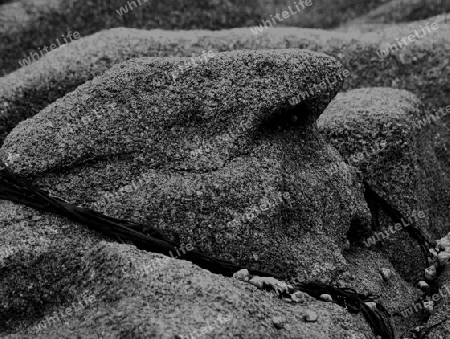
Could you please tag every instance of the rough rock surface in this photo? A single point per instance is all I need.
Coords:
(62, 70)
(214, 160)
(116, 291)
(175, 149)
(377, 130)
(33, 261)
(29, 25)
(442, 301)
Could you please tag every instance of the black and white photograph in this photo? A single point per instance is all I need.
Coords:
(218, 169)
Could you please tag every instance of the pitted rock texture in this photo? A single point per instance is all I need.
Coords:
(115, 291)
(62, 70)
(364, 275)
(130, 182)
(384, 133)
(215, 106)
(29, 25)
(219, 157)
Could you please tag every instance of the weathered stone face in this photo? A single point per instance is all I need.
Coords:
(61, 71)
(388, 137)
(216, 105)
(218, 157)
(114, 290)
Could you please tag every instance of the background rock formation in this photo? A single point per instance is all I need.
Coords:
(377, 130)
(62, 70)
(29, 25)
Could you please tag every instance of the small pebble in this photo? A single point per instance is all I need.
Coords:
(423, 286)
(347, 245)
(433, 252)
(257, 281)
(326, 297)
(444, 241)
(310, 316)
(341, 284)
(430, 273)
(290, 288)
(386, 273)
(280, 288)
(242, 275)
(443, 258)
(279, 322)
(417, 329)
(428, 306)
(433, 261)
(428, 302)
(275, 284)
(371, 304)
(299, 297)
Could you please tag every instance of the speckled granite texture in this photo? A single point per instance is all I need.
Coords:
(382, 132)
(28, 25)
(208, 172)
(116, 291)
(62, 70)
(191, 158)
(220, 160)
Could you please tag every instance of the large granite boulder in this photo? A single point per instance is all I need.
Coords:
(62, 70)
(219, 157)
(250, 180)
(128, 183)
(385, 134)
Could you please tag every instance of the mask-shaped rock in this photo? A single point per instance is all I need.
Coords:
(217, 157)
